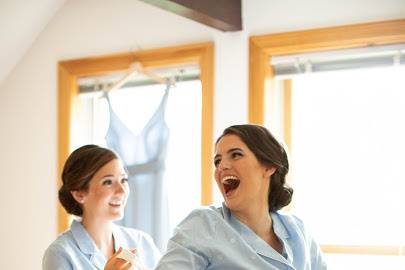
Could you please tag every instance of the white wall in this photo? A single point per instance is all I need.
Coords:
(89, 27)
(17, 34)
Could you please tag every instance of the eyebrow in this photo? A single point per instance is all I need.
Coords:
(111, 175)
(229, 151)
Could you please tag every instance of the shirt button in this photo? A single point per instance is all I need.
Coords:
(232, 240)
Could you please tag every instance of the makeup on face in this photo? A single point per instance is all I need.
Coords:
(239, 175)
(108, 192)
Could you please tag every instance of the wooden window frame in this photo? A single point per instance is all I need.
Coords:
(262, 48)
(69, 71)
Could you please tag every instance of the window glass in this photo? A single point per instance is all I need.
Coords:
(348, 155)
(135, 107)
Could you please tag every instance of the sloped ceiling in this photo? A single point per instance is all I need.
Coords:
(21, 22)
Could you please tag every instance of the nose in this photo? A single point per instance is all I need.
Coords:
(224, 165)
(120, 188)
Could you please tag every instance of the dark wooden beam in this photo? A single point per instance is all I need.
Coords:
(225, 15)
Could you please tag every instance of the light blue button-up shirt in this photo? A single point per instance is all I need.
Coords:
(212, 238)
(75, 249)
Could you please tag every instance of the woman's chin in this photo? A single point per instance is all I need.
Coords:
(231, 203)
(117, 216)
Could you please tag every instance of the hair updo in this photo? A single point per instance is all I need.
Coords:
(79, 169)
(271, 154)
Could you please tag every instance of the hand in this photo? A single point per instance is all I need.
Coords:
(115, 263)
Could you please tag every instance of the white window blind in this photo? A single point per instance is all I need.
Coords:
(373, 56)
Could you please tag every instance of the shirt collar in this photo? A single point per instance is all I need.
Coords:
(278, 227)
(254, 241)
(87, 245)
(282, 233)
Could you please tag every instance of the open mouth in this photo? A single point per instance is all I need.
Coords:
(230, 184)
(114, 204)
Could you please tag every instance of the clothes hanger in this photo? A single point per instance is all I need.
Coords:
(135, 68)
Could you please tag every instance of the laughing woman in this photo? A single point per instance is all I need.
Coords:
(247, 232)
(95, 189)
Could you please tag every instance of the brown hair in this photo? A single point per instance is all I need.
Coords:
(78, 170)
(270, 153)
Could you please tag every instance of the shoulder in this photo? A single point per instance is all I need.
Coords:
(194, 239)
(206, 213)
(295, 227)
(200, 225)
(58, 253)
(290, 221)
(62, 244)
(202, 217)
(292, 225)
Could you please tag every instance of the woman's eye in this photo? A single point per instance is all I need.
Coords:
(107, 182)
(216, 162)
(124, 180)
(236, 155)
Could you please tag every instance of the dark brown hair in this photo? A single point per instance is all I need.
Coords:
(78, 170)
(270, 153)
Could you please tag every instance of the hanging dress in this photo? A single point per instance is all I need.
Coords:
(144, 157)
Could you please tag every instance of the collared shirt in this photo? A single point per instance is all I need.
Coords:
(212, 238)
(75, 249)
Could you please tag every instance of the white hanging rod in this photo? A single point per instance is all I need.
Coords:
(135, 68)
(338, 54)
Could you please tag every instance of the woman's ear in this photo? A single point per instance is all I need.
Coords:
(79, 196)
(269, 172)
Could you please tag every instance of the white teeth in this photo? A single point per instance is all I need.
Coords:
(116, 203)
(229, 177)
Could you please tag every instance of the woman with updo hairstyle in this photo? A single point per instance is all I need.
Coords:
(248, 231)
(95, 190)
(269, 153)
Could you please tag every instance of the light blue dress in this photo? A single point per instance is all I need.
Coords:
(144, 157)
(212, 238)
(75, 249)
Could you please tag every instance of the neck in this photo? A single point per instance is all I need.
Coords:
(101, 233)
(257, 219)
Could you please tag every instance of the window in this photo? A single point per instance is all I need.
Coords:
(69, 72)
(135, 106)
(346, 154)
(283, 111)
